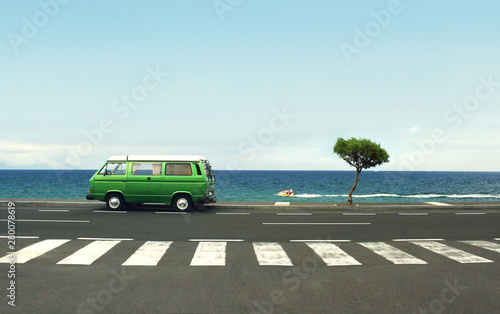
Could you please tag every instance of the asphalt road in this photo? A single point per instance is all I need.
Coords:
(85, 259)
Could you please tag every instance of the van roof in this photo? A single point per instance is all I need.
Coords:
(156, 158)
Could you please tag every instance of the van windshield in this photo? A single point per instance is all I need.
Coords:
(114, 168)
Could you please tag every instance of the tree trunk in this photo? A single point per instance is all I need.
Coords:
(349, 199)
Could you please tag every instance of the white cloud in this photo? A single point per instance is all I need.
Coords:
(18, 154)
(415, 128)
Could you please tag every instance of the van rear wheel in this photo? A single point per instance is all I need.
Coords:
(182, 203)
(115, 201)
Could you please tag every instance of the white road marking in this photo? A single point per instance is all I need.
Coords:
(320, 241)
(149, 254)
(210, 254)
(485, 245)
(20, 237)
(451, 252)
(294, 214)
(282, 204)
(332, 255)
(438, 204)
(413, 214)
(391, 253)
(88, 254)
(55, 202)
(111, 211)
(106, 239)
(39, 220)
(51, 202)
(411, 240)
(271, 254)
(32, 251)
(235, 213)
(316, 223)
(358, 214)
(470, 213)
(54, 210)
(216, 240)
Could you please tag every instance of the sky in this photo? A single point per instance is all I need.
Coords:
(251, 85)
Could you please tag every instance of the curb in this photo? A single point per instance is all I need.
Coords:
(355, 207)
(53, 203)
(258, 206)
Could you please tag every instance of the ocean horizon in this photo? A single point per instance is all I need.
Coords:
(263, 185)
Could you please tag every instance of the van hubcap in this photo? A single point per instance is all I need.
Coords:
(114, 202)
(182, 203)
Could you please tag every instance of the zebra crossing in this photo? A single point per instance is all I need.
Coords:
(332, 255)
(88, 254)
(271, 254)
(392, 254)
(213, 253)
(149, 254)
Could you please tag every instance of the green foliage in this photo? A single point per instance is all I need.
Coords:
(361, 153)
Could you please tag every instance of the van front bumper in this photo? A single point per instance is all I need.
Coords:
(90, 197)
(209, 199)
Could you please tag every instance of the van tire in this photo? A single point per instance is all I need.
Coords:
(182, 203)
(115, 201)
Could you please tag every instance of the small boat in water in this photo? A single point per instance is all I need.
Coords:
(286, 193)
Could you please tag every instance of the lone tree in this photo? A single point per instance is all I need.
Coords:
(361, 154)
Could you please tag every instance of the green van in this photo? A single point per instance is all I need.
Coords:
(180, 181)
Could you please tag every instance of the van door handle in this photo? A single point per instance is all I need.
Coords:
(149, 178)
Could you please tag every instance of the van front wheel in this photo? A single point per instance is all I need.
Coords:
(115, 201)
(182, 203)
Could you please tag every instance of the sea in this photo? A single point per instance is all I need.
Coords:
(263, 186)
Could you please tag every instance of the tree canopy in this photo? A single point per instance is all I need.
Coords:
(361, 153)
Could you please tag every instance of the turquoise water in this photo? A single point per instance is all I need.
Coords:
(262, 186)
(333, 186)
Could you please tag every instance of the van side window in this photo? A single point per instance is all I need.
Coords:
(146, 169)
(177, 169)
(114, 168)
(198, 170)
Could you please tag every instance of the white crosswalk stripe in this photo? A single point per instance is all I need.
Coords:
(451, 252)
(88, 254)
(149, 254)
(210, 254)
(271, 254)
(332, 255)
(32, 251)
(391, 253)
(485, 245)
